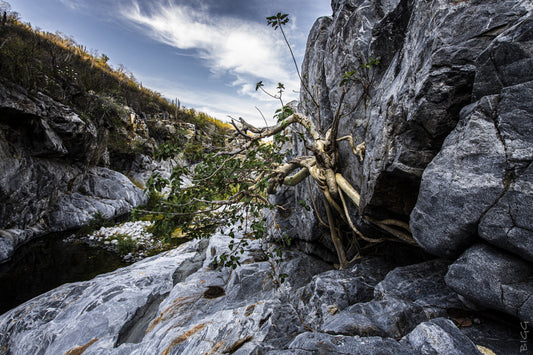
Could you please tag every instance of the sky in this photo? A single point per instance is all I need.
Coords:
(209, 54)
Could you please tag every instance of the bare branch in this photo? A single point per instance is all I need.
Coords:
(270, 131)
(261, 113)
(359, 150)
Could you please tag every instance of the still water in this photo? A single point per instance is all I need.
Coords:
(48, 262)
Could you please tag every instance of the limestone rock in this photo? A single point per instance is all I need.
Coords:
(422, 283)
(175, 303)
(391, 317)
(441, 63)
(331, 292)
(461, 183)
(47, 178)
(440, 336)
(338, 344)
(480, 182)
(104, 308)
(494, 279)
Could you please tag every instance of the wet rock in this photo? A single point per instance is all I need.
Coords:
(103, 308)
(494, 279)
(101, 191)
(175, 303)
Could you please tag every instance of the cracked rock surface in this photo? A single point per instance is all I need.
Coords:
(447, 122)
(174, 303)
(476, 195)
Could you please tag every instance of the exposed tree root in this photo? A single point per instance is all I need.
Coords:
(322, 168)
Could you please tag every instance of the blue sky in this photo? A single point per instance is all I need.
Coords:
(207, 53)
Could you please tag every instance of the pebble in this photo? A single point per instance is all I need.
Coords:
(108, 237)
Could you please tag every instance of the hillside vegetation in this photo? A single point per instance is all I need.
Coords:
(57, 66)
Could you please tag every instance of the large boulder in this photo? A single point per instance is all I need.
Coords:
(461, 183)
(480, 183)
(495, 279)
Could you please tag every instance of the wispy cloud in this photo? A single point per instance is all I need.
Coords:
(245, 50)
(217, 104)
(73, 4)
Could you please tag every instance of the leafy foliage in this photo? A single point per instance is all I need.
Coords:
(278, 20)
(229, 188)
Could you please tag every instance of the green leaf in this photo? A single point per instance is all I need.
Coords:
(304, 205)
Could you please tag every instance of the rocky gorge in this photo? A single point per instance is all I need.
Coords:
(59, 169)
(447, 128)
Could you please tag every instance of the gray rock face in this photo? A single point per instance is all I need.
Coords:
(337, 344)
(428, 54)
(437, 58)
(174, 303)
(423, 283)
(47, 182)
(495, 279)
(508, 224)
(440, 336)
(102, 191)
(480, 183)
(447, 122)
(461, 183)
(407, 296)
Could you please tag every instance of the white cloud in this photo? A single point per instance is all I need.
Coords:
(248, 51)
(218, 104)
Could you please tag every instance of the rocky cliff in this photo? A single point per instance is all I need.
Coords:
(447, 122)
(49, 179)
(58, 167)
(72, 128)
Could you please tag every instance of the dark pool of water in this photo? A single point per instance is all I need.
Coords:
(48, 262)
